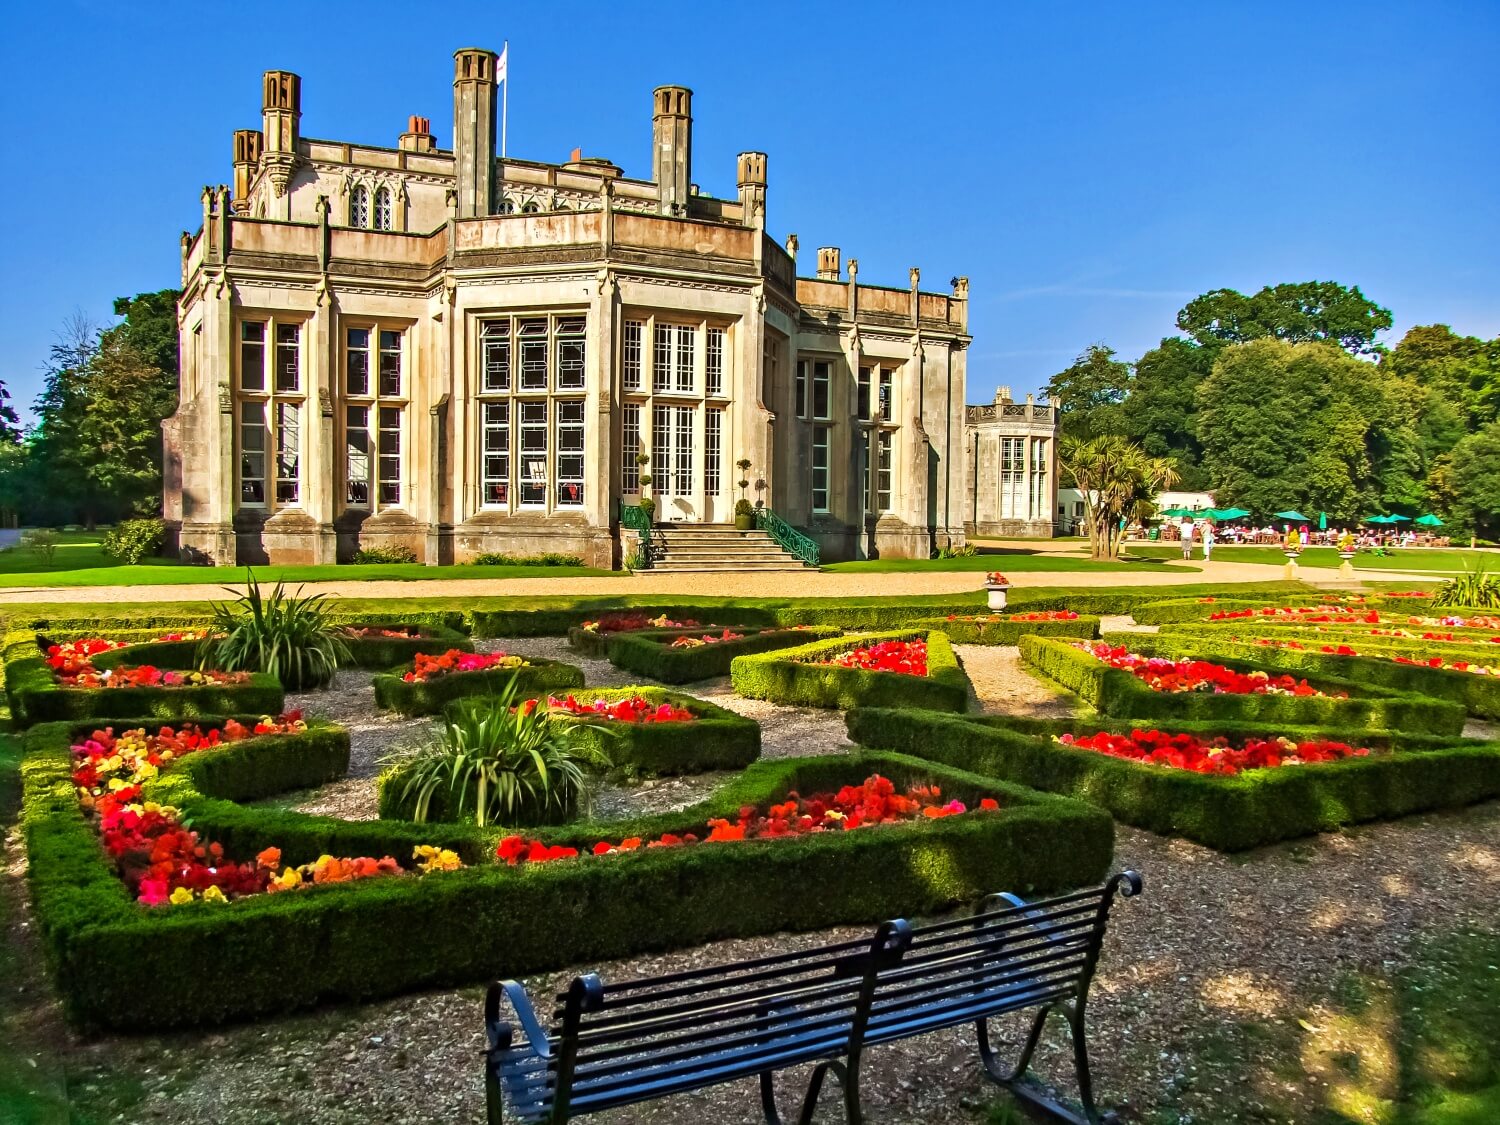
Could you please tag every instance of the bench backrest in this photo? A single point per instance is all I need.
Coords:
(640, 1039)
(1008, 955)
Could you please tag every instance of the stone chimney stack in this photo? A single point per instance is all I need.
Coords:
(474, 131)
(247, 146)
(418, 136)
(281, 112)
(752, 184)
(672, 147)
(1002, 397)
(829, 263)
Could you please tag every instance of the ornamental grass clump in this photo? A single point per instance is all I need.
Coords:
(285, 636)
(1477, 588)
(498, 763)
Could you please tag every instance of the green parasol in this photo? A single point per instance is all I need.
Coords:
(1292, 514)
(1397, 519)
(1429, 520)
(1230, 513)
(1377, 519)
(1178, 513)
(1322, 521)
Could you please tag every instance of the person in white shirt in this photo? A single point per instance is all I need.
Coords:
(1208, 541)
(1186, 531)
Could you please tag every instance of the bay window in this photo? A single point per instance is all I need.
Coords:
(268, 418)
(374, 415)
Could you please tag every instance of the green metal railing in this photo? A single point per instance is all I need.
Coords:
(637, 519)
(788, 537)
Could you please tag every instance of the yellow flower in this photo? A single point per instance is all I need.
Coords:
(432, 858)
(213, 894)
(180, 896)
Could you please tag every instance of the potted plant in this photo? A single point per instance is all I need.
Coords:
(743, 465)
(744, 515)
(996, 584)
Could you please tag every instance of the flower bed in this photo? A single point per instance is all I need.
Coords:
(433, 681)
(1008, 628)
(874, 802)
(1186, 751)
(48, 681)
(1188, 674)
(381, 646)
(592, 637)
(333, 943)
(826, 673)
(1231, 811)
(1330, 701)
(1472, 684)
(661, 656)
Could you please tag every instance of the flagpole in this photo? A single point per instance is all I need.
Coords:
(504, 96)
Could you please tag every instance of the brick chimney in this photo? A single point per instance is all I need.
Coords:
(418, 136)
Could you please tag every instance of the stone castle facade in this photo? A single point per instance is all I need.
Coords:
(1011, 450)
(457, 353)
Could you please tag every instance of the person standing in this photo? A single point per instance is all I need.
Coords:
(1186, 533)
(1208, 541)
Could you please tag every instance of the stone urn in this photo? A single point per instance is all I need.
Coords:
(1290, 570)
(995, 586)
(1346, 563)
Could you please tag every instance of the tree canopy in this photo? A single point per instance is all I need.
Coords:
(1088, 393)
(1298, 312)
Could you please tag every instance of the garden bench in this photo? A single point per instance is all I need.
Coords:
(622, 1044)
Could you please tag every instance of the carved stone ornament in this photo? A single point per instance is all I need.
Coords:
(325, 402)
(226, 399)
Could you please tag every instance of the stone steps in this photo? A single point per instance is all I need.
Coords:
(717, 548)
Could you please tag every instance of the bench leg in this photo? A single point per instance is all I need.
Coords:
(1015, 1081)
(847, 1079)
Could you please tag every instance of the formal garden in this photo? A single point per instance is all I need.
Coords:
(304, 834)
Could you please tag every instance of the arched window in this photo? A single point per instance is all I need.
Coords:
(383, 209)
(530, 209)
(359, 207)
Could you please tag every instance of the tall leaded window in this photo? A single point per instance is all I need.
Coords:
(630, 447)
(374, 416)
(661, 441)
(884, 463)
(682, 450)
(713, 451)
(496, 482)
(570, 453)
(359, 206)
(1038, 478)
(1012, 478)
(687, 345)
(714, 361)
(288, 453)
(269, 413)
(533, 372)
(802, 388)
(820, 469)
(383, 208)
(661, 368)
(631, 356)
(533, 453)
(821, 380)
(862, 395)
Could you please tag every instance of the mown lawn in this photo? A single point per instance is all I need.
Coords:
(1007, 560)
(80, 561)
(1418, 560)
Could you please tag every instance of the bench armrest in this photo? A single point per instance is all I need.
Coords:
(1047, 931)
(499, 1035)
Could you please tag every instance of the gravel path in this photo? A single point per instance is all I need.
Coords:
(1215, 941)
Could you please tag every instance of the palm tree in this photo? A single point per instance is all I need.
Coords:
(1114, 474)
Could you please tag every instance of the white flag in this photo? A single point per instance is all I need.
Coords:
(500, 63)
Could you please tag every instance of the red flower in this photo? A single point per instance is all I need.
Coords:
(908, 658)
(1215, 756)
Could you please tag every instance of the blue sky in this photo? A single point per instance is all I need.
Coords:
(1090, 166)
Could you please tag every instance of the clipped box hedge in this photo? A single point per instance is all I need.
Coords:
(381, 653)
(270, 954)
(1478, 694)
(1176, 610)
(1116, 692)
(536, 676)
(1247, 810)
(999, 629)
(653, 656)
(794, 676)
(35, 696)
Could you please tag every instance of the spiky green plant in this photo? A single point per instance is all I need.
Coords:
(287, 636)
(1476, 588)
(499, 761)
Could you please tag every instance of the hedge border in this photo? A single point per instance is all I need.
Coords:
(333, 943)
(1116, 692)
(392, 693)
(35, 696)
(1248, 810)
(789, 676)
(653, 656)
(1478, 694)
(1006, 632)
(377, 654)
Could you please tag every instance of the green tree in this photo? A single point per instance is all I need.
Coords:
(1089, 393)
(1161, 412)
(1474, 472)
(1114, 475)
(1463, 372)
(56, 482)
(1300, 425)
(1298, 312)
(128, 396)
